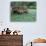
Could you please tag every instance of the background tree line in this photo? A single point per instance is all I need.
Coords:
(30, 5)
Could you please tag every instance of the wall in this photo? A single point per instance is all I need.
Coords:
(30, 30)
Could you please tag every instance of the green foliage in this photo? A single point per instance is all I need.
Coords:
(31, 5)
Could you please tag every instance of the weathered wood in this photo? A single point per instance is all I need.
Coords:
(11, 40)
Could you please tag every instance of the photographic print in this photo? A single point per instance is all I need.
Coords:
(22, 11)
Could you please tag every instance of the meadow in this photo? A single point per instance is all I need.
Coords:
(25, 17)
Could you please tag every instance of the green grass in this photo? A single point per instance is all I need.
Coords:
(27, 17)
